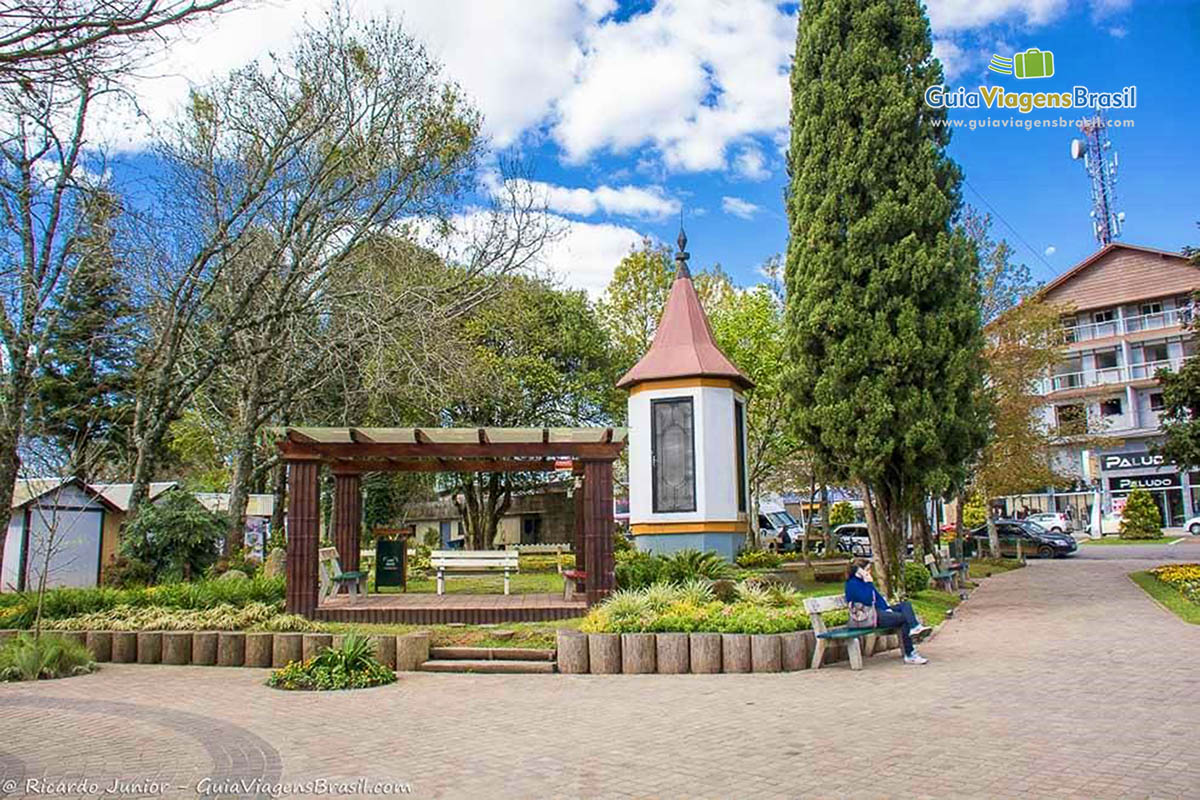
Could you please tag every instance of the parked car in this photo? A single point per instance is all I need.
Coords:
(1192, 526)
(852, 538)
(1034, 539)
(1055, 523)
(777, 528)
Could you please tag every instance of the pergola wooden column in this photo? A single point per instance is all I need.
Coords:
(587, 452)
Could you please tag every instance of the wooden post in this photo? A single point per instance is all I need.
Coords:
(578, 544)
(303, 524)
(347, 519)
(598, 530)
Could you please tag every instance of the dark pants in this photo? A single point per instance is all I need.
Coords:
(903, 617)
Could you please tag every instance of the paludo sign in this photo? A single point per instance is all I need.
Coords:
(1131, 460)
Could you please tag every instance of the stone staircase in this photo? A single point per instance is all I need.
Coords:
(499, 660)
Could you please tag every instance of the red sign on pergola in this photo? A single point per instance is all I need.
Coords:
(350, 452)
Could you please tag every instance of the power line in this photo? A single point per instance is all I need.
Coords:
(1019, 237)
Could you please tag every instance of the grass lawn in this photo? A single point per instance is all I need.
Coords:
(521, 583)
(931, 605)
(1168, 596)
(1111, 540)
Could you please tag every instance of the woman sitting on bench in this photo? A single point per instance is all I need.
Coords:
(868, 609)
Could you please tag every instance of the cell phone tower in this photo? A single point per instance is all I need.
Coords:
(1100, 162)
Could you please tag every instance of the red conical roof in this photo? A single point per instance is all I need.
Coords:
(683, 346)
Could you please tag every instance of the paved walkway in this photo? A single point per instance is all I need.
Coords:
(1060, 680)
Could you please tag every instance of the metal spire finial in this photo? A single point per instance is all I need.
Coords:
(681, 257)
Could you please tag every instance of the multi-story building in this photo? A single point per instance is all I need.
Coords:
(1130, 313)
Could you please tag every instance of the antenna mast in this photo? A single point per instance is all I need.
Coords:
(1100, 163)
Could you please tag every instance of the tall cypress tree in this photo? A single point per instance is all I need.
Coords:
(883, 305)
(83, 401)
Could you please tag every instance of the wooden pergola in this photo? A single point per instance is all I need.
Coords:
(350, 452)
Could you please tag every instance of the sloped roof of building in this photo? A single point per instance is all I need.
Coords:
(1122, 273)
(683, 346)
(26, 490)
(118, 493)
(257, 505)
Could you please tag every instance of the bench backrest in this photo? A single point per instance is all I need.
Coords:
(816, 606)
(474, 559)
(540, 549)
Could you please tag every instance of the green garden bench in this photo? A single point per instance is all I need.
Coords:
(332, 576)
(859, 641)
(944, 579)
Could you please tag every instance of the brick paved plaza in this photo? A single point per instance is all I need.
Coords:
(1060, 680)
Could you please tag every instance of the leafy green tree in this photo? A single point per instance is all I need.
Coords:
(634, 298)
(1140, 519)
(538, 357)
(83, 401)
(883, 314)
(842, 513)
(176, 537)
(974, 512)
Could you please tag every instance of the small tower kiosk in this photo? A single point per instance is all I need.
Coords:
(688, 486)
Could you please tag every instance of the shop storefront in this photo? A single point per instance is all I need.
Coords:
(1165, 488)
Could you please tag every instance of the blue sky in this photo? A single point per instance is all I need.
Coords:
(628, 112)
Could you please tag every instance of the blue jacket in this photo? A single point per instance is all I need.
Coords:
(859, 591)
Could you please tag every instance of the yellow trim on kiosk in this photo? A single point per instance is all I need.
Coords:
(683, 383)
(726, 526)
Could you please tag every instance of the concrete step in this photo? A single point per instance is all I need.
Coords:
(490, 654)
(487, 666)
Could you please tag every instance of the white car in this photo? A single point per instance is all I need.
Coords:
(1192, 526)
(1055, 523)
(1110, 525)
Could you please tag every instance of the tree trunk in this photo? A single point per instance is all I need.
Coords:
(826, 528)
(927, 539)
(11, 428)
(279, 493)
(243, 461)
(993, 535)
(884, 520)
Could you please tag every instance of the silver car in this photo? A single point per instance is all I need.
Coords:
(1055, 523)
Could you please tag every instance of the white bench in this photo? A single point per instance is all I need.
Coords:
(451, 563)
(815, 606)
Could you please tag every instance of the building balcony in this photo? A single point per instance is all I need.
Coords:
(1124, 326)
(1105, 377)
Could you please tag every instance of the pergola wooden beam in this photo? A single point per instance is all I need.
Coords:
(291, 449)
(445, 465)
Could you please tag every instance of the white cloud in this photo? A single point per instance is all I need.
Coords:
(955, 60)
(689, 79)
(750, 164)
(1117, 32)
(1049, 251)
(738, 207)
(513, 57)
(586, 254)
(631, 201)
(950, 15)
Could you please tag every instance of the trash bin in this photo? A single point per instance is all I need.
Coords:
(389, 562)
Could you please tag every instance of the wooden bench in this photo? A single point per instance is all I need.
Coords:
(943, 579)
(333, 577)
(452, 563)
(859, 641)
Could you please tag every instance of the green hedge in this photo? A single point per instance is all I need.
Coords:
(18, 609)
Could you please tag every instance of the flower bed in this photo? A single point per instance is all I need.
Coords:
(223, 617)
(350, 665)
(694, 608)
(1183, 578)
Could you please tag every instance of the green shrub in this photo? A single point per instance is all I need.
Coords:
(17, 609)
(637, 570)
(1140, 519)
(352, 665)
(26, 658)
(177, 536)
(546, 563)
(916, 578)
(223, 617)
(421, 558)
(685, 565)
(841, 513)
(127, 573)
(621, 541)
(759, 559)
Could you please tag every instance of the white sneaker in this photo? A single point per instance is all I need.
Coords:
(916, 658)
(918, 630)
